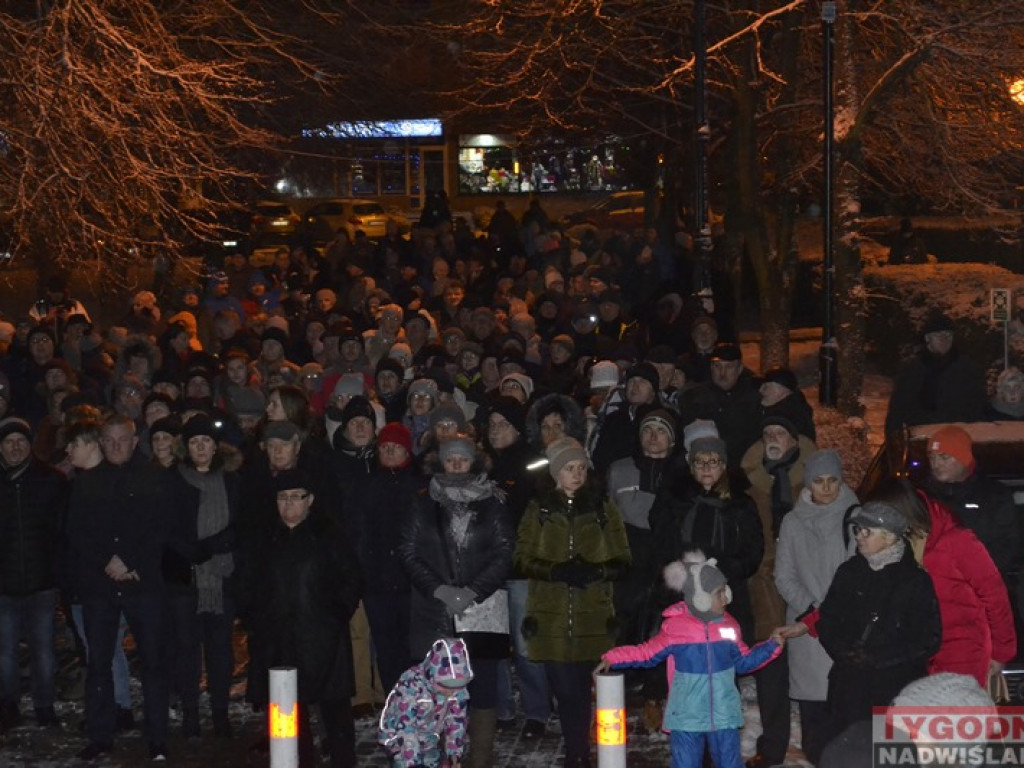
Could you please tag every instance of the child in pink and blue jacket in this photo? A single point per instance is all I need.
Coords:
(702, 646)
(424, 718)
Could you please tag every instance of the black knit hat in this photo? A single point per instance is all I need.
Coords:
(275, 334)
(783, 376)
(290, 479)
(356, 407)
(511, 410)
(169, 424)
(645, 371)
(200, 424)
(390, 364)
(781, 421)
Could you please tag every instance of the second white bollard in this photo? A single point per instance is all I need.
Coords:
(284, 717)
(611, 720)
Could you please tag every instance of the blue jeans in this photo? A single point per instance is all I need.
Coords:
(145, 615)
(35, 615)
(119, 667)
(533, 680)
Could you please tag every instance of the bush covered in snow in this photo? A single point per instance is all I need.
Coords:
(900, 299)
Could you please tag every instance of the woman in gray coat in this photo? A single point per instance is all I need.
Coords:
(811, 547)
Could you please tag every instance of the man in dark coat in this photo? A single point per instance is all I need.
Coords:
(940, 386)
(117, 526)
(619, 435)
(511, 455)
(298, 595)
(983, 505)
(33, 496)
(730, 398)
(373, 512)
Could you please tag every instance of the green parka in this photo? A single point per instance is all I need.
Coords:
(565, 623)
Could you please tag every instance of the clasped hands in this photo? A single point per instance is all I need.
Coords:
(577, 573)
(456, 599)
(118, 571)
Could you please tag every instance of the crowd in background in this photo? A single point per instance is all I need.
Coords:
(352, 453)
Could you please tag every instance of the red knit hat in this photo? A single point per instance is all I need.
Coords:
(955, 442)
(395, 432)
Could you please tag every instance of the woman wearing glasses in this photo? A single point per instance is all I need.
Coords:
(702, 511)
(880, 619)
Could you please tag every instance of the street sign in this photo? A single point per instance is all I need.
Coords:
(1000, 305)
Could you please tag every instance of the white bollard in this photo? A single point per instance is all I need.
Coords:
(611, 720)
(284, 717)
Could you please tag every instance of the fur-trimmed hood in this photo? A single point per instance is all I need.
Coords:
(575, 422)
(132, 343)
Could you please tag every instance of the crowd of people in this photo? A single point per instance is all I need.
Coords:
(368, 457)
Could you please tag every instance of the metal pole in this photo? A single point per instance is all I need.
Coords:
(284, 717)
(827, 356)
(701, 205)
(611, 720)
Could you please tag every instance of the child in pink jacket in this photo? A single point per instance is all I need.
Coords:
(705, 652)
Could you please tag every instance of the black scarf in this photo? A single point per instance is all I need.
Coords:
(782, 488)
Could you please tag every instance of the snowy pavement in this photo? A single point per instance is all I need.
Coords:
(32, 747)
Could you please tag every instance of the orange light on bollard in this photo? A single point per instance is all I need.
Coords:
(611, 727)
(284, 718)
(284, 725)
(611, 720)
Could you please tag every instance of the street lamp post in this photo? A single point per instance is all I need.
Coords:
(827, 362)
(702, 215)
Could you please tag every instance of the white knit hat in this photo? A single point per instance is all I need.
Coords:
(605, 373)
(946, 689)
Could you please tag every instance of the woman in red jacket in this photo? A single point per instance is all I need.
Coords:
(978, 635)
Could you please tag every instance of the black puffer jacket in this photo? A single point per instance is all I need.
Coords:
(298, 596)
(33, 500)
(986, 507)
(375, 510)
(684, 517)
(509, 471)
(880, 628)
(432, 558)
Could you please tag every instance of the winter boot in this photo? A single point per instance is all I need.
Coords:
(482, 725)
(125, 719)
(190, 722)
(221, 724)
(47, 718)
(10, 716)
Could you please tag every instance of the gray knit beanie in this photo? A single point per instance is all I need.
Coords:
(821, 464)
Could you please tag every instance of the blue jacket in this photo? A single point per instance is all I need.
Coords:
(703, 661)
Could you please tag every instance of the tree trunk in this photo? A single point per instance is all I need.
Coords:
(772, 267)
(850, 301)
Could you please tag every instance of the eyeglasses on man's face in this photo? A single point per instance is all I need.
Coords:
(292, 498)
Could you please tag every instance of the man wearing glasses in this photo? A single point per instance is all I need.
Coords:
(775, 468)
(298, 594)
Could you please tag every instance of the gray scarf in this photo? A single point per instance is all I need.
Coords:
(213, 517)
(887, 556)
(455, 493)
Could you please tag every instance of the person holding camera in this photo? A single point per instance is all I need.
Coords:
(56, 306)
